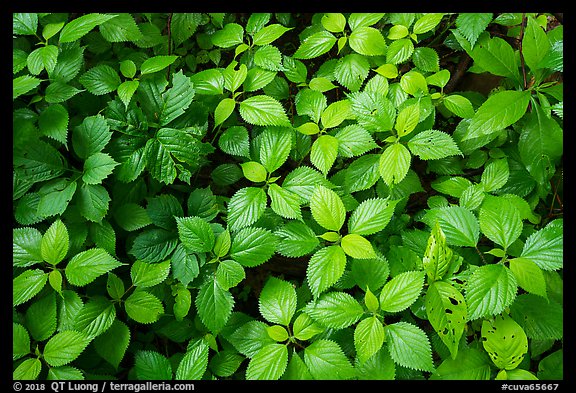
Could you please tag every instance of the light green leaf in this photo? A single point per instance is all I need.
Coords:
(24, 23)
(27, 285)
(310, 103)
(364, 19)
(399, 51)
(304, 327)
(194, 363)
(351, 71)
(409, 346)
(232, 34)
(357, 246)
(535, 44)
(79, 27)
(315, 45)
(263, 110)
(433, 145)
(229, 274)
(214, 305)
(472, 24)
(269, 363)
(326, 267)
(495, 175)
(296, 239)
(55, 243)
(64, 347)
(246, 207)
(437, 255)
(367, 41)
(540, 318)
(26, 247)
(222, 244)
(336, 310)
(23, 84)
(413, 82)
(327, 208)
(252, 246)
(324, 152)
(354, 140)
(156, 63)
(223, 111)
(176, 99)
(459, 105)
(336, 113)
(20, 341)
(368, 338)
(489, 290)
(505, 341)
(333, 22)
(208, 82)
(394, 164)
(235, 141)
(500, 220)
(268, 57)
(98, 167)
(143, 307)
(184, 265)
(326, 361)
(100, 80)
(277, 302)
(302, 181)
(447, 313)
(195, 233)
(371, 216)
(275, 146)
(249, 338)
(284, 203)
(401, 291)
(529, 276)
(426, 23)
(85, 267)
(126, 90)
(499, 111)
(95, 317)
(145, 275)
(426, 59)
(121, 29)
(407, 120)
(29, 369)
(269, 34)
(546, 247)
(459, 225)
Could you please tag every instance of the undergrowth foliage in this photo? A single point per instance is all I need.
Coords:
(287, 196)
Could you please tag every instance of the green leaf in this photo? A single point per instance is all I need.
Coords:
(535, 44)
(24, 23)
(232, 34)
(367, 41)
(98, 167)
(426, 23)
(79, 27)
(295, 239)
(246, 207)
(95, 317)
(371, 216)
(529, 276)
(505, 342)
(183, 26)
(413, 83)
(60, 92)
(499, 111)
(364, 19)
(325, 268)
(55, 243)
(44, 57)
(209, 82)
(437, 256)
(426, 59)
(540, 318)
(336, 113)
(546, 247)
(143, 307)
(433, 145)
(399, 51)
(194, 363)
(126, 90)
(394, 164)
(150, 365)
(401, 291)
(91, 136)
(353, 140)
(55, 198)
(269, 33)
(85, 267)
(472, 24)
(327, 208)
(195, 233)
(53, 122)
(233, 79)
(20, 341)
(368, 338)
(495, 175)
(249, 338)
(336, 310)
(40, 317)
(229, 274)
(145, 275)
(258, 78)
(447, 313)
(324, 152)
(27, 285)
(277, 302)
(362, 173)
(223, 111)
(302, 181)
(214, 305)
(182, 303)
(459, 225)
(26, 247)
(156, 63)
(310, 103)
(409, 346)
(115, 286)
(490, 289)
(263, 110)
(23, 84)
(333, 22)
(407, 120)
(284, 202)
(275, 146)
(184, 265)
(459, 105)
(131, 217)
(277, 332)
(326, 361)
(496, 56)
(121, 29)
(470, 364)
(315, 45)
(100, 80)
(269, 363)
(64, 347)
(222, 244)
(351, 71)
(357, 246)
(113, 343)
(176, 99)
(500, 220)
(235, 141)
(252, 246)
(268, 57)
(29, 369)
(305, 328)
(225, 363)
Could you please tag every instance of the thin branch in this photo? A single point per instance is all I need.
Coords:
(458, 74)
(522, 27)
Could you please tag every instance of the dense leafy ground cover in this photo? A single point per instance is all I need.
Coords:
(287, 196)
